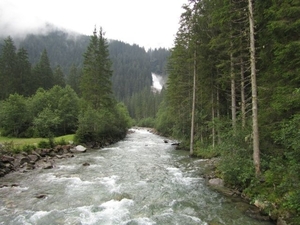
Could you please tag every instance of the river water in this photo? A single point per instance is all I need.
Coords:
(140, 180)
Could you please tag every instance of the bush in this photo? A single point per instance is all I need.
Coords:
(61, 141)
(102, 125)
(206, 152)
(146, 122)
(28, 148)
(44, 144)
(7, 146)
(236, 162)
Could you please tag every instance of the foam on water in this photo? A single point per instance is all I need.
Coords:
(110, 212)
(66, 167)
(175, 172)
(140, 221)
(110, 183)
(38, 215)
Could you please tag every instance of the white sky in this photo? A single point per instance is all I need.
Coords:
(148, 23)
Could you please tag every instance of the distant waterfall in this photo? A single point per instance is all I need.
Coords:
(157, 82)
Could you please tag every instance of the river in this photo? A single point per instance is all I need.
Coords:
(140, 180)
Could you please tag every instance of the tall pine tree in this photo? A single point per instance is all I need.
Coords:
(8, 65)
(95, 85)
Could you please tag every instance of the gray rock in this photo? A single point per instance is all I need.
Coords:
(33, 158)
(216, 182)
(6, 158)
(78, 148)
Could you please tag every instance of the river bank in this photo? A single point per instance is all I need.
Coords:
(38, 158)
(251, 207)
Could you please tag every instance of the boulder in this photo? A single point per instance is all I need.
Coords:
(66, 148)
(26, 167)
(6, 158)
(33, 158)
(59, 150)
(41, 196)
(216, 182)
(78, 148)
(48, 165)
(20, 159)
(176, 143)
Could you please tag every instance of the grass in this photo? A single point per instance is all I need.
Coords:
(19, 142)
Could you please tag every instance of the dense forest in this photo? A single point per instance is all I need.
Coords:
(233, 91)
(58, 56)
(37, 102)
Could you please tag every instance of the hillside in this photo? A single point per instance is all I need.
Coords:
(132, 65)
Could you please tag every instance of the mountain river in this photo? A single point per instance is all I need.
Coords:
(140, 180)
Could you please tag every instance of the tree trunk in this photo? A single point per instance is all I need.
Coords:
(233, 95)
(218, 115)
(213, 119)
(256, 151)
(193, 108)
(243, 100)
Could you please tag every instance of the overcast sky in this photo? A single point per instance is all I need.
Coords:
(148, 23)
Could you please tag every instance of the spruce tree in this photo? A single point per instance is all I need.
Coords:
(23, 84)
(43, 74)
(95, 83)
(8, 65)
(59, 78)
(73, 78)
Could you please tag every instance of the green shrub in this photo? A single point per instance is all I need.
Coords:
(236, 162)
(102, 125)
(17, 150)
(44, 144)
(146, 122)
(206, 152)
(28, 148)
(8, 146)
(61, 141)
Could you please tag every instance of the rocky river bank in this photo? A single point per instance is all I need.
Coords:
(38, 158)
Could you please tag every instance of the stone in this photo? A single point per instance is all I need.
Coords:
(24, 160)
(259, 204)
(6, 158)
(48, 165)
(216, 182)
(33, 158)
(78, 148)
(41, 196)
(86, 164)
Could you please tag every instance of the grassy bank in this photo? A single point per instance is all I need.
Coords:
(20, 142)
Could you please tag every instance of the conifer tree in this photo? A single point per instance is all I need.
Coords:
(8, 65)
(23, 73)
(43, 74)
(95, 84)
(73, 78)
(58, 76)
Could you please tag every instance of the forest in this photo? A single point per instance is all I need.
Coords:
(233, 91)
(57, 58)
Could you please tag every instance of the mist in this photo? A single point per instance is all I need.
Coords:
(131, 21)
